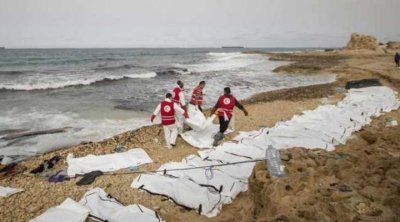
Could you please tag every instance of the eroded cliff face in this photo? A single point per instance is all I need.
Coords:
(359, 181)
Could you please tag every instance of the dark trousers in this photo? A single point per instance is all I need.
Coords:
(223, 125)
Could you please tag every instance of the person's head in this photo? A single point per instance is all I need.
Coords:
(202, 84)
(168, 96)
(180, 83)
(227, 91)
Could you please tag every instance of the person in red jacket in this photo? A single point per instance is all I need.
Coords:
(224, 106)
(168, 110)
(178, 98)
(197, 95)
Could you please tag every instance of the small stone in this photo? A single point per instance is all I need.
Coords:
(339, 196)
(286, 157)
(344, 188)
(371, 193)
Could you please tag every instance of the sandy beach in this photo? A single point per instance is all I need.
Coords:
(359, 181)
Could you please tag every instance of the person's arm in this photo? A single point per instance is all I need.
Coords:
(196, 98)
(214, 109)
(156, 111)
(182, 99)
(241, 107)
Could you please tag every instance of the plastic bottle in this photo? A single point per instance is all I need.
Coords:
(274, 164)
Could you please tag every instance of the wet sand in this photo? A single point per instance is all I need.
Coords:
(359, 181)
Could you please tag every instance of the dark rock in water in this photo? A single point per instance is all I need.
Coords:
(113, 68)
(362, 83)
(136, 105)
(35, 133)
(11, 72)
(9, 131)
(170, 71)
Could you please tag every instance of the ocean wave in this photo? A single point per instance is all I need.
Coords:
(113, 68)
(73, 83)
(224, 54)
(172, 71)
(223, 61)
(12, 72)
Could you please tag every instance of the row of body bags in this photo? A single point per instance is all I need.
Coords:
(98, 205)
(208, 188)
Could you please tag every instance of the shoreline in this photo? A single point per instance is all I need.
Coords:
(265, 109)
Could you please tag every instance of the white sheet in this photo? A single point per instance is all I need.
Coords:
(325, 127)
(182, 191)
(328, 125)
(107, 208)
(197, 121)
(106, 163)
(8, 191)
(67, 211)
(203, 139)
(215, 178)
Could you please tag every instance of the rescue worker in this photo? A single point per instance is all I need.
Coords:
(224, 106)
(197, 96)
(178, 98)
(168, 110)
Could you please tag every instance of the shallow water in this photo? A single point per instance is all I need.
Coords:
(103, 92)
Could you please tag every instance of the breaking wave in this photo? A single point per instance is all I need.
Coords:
(61, 83)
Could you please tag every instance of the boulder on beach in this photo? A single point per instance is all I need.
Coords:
(393, 45)
(363, 42)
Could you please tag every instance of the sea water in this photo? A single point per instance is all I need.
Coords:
(98, 93)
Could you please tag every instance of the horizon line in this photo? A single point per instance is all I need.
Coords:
(241, 47)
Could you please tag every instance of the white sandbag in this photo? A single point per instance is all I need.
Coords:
(218, 180)
(68, 211)
(8, 191)
(182, 191)
(106, 163)
(107, 208)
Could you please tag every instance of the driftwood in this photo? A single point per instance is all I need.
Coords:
(34, 133)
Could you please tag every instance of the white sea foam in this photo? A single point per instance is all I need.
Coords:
(81, 129)
(224, 61)
(141, 75)
(37, 82)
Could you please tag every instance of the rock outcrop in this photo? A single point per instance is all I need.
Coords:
(393, 45)
(358, 41)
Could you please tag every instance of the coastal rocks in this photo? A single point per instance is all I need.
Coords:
(358, 41)
(393, 45)
(344, 185)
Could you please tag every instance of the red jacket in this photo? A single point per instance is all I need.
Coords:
(167, 113)
(175, 94)
(226, 105)
(197, 92)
